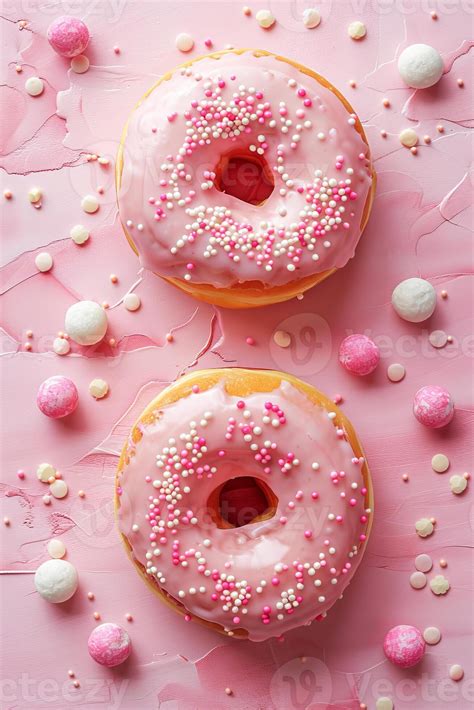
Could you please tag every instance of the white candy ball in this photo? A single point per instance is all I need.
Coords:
(86, 322)
(61, 346)
(56, 580)
(420, 66)
(414, 300)
(311, 18)
(56, 548)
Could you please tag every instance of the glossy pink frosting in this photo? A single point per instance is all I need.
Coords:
(184, 227)
(282, 572)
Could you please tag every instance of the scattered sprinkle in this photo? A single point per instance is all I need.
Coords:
(56, 548)
(90, 204)
(408, 137)
(79, 234)
(59, 488)
(34, 195)
(396, 372)
(458, 484)
(423, 563)
(456, 672)
(46, 499)
(184, 42)
(282, 338)
(439, 585)
(424, 527)
(265, 18)
(34, 86)
(80, 64)
(44, 261)
(418, 580)
(228, 691)
(357, 30)
(460, 83)
(132, 301)
(432, 635)
(438, 338)
(311, 18)
(6, 521)
(98, 388)
(440, 463)
(45, 471)
(61, 346)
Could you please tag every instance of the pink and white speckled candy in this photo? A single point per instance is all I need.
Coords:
(433, 406)
(68, 36)
(404, 646)
(109, 645)
(359, 354)
(57, 397)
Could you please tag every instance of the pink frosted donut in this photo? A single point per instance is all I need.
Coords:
(57, 397)
(68, 36)
(244, 178)
(359, 354)
(109, 645)
(243, 500)
(433, 406)
(404, 646)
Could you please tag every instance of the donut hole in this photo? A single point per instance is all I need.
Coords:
(245, 176)
(241, 501)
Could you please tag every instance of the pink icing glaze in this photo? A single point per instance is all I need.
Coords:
(433, 406)
(57, 397)
(283, 572)
(184, 227)
(109, 645)
(404, 646)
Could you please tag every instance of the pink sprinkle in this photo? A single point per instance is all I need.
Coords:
(208, 42)
(308, 534)
(21, 474)
(250, 341)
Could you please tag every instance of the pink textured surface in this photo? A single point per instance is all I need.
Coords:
(419, 226)
(68, 36)
(404, 645)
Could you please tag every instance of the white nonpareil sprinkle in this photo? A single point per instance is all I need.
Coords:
(356, 30)
(384, 703)
(80, 64)
(432, 635)
(396, 372)
(34, 86)
(282, 338)
(458, 484)
(418, 580)
(438, 338)
(423, 563)
(45, 471)
(132, 302)
(408, 137)
(90, 204)
(184, 42)
(59, 488)
(61, 346)
(34, 195)
(440, 463)
(439, 585)
(265, 18)
(56, 548)
(311, 18)
(456, 672)
(44, 261)
(79, 234)
(98, 388)
(424, 527)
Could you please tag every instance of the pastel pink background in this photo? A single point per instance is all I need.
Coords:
(420, 226)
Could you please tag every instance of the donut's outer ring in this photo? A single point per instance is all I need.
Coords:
(239, 382)
(250, 294)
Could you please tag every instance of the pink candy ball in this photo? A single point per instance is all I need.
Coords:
(404, 646)
(359, 354)
(433, 406)
(68, 36)
(57, 397)
(109, 645)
